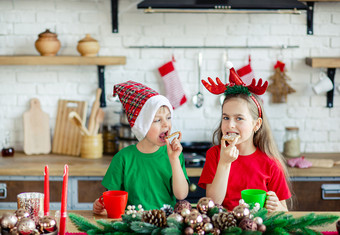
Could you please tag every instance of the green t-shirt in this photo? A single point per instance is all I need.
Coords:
(147, 177)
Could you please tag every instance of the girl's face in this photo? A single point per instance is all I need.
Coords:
(236, 118)
(160, 127)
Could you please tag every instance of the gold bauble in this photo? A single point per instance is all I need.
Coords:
(205, 204)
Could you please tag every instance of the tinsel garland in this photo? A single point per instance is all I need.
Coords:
(237, 89)
(276, 223)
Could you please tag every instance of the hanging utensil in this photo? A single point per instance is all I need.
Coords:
(225, 58)
(198, 99)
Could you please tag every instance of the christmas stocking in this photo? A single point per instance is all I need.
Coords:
(173, 87)
(246, 73)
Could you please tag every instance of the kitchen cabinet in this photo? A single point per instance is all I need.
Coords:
(316, 193)
(82, 191)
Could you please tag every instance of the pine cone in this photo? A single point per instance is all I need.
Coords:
(224, 220)
(167, 209)
(155, 217)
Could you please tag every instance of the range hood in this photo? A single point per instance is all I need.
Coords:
(222, 6)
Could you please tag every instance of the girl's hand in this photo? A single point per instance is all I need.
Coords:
(273, 203)
(229, 153)
(98, 207)
(174, 148)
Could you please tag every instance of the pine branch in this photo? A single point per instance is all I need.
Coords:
(232, 230)
(121, 226)
(142, 227)
(170, 231)
(82, 223)
(324, 219)
(129, 218)
(173, 223)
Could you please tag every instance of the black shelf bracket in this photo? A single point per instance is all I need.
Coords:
(330, 94)
(114, 15)
(310, 13)
(101, 84)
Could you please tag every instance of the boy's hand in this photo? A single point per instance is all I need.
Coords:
(229, 153)
(98, 207)
(174, 148)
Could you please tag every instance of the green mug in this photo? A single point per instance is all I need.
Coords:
(252, 196)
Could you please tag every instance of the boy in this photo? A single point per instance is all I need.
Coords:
(152, 171)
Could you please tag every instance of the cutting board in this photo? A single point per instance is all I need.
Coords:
(67, 137)
(327, 163)
(37, 137)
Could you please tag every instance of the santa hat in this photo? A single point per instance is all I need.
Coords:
(141, 104)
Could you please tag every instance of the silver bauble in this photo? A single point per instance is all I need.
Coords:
(177, 217)
(194, 219)
(258, 220)
(47, 224)
(208, 227)
(8, 220)
(185, 212)
(205, 204)
(241, 211)
(26, 226)
(22, 213)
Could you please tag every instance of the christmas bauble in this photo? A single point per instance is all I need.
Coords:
(180, 205)
(177, 217)
(194, 219)
(22, 213)
(205, 204)
(262, 228)
(188, 231)
(185, 212)
(248, 224)
(8, 220)
(241, 211)
(208, 227)
(47, 224)
(26, 226)
(206, 219)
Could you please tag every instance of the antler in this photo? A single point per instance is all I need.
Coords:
(214, 88)
(234, 78)
(258, 88)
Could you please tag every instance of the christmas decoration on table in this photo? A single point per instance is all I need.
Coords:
(173, 86)
(243, 219)
(246, 73)
(279, 87)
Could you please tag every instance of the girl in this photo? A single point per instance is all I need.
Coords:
(152, 171)
(252, 159)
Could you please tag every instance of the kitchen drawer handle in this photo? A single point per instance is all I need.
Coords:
(3, 191)
(330, 189)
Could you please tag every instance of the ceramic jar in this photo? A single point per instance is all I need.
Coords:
(47, 43)
(88, 46)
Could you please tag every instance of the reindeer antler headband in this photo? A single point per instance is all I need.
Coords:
(237, 86)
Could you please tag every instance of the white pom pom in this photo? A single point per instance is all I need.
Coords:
(229, 65)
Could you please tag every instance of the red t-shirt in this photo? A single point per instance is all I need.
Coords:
(254, 171)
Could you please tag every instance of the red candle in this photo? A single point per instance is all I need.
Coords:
(64, 202)
(47, 192)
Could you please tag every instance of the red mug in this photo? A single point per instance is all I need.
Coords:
(114, 202)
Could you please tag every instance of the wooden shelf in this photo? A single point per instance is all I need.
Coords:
(323, 62)
(62, 60)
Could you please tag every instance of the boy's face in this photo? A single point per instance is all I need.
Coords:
(160, 127)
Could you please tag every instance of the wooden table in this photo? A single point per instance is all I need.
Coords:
(33, 165)
(92, 217)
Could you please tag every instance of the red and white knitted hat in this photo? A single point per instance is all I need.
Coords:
(141, 104)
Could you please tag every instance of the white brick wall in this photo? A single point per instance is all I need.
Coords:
(22, 20)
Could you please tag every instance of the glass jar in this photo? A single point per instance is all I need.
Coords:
(291, 147)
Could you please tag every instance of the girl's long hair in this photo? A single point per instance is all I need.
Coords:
(263, 139)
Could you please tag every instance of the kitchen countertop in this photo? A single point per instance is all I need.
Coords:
(70, 227)
(33, 165)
